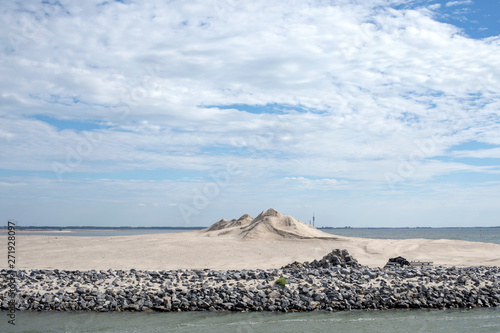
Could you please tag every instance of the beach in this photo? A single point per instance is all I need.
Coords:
(269, 241)
(192, 250)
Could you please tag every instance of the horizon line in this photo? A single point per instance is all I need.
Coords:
(203, 227)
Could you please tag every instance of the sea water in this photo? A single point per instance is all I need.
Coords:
(474, 320)
(486, 235)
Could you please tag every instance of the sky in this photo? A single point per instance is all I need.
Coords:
(381, 113)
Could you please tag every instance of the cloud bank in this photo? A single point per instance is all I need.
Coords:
(119, 113)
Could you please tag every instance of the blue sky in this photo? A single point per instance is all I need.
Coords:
(478, 19)
(378, 113)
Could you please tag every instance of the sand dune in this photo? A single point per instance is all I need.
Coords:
(225, 224)
(271, 240)
(268, 225)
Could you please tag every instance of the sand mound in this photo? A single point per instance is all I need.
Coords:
(269, 225)
(225, 224)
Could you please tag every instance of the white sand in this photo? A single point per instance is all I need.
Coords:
(271, 240)
(189, 251)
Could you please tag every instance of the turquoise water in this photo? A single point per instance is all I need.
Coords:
(475, 320)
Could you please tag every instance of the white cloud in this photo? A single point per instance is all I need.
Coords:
(316, 184)
(371, 82)
(11, 184)
(457, 3)
(481, 153)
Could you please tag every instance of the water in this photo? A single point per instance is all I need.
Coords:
(485, 235)
(476, 320)
(100, 232)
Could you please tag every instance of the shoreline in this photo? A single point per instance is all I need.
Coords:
(233, 266)
(333, 288)
(20, 231)
(195, 250)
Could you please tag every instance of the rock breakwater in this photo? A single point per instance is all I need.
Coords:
(319, 285)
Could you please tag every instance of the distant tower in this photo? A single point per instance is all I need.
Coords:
(313, 219)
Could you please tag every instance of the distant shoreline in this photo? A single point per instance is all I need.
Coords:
(479, 227)
(69, 228)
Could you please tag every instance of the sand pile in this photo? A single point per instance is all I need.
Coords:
(225, 224)
(269, 225)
